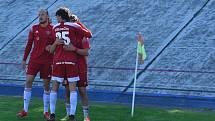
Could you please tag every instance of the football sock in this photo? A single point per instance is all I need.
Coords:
(46, 100)
(85, 111)
(27, 98)
(53, 100)
(68, 109)
(73, 102)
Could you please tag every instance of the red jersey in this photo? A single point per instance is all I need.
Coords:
(88, 33)
(71, 34)
(82, 60)
(39, 37)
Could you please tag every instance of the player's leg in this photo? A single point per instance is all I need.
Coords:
(53, 95)
(72, 76)
(46, 95)
(46, 98)
(84, 102)
(45, 74)
(73, 100)
(32, 71)
(27, 91)
(67, 100)
(82, 84)
(57, 78)
(53, 99)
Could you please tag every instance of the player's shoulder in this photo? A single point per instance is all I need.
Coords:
(73, 25)
(51, 25)
(56, 25)
(34, 27)
(79, 23)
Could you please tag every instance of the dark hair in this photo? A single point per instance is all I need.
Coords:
(64, 13)
(73, 18)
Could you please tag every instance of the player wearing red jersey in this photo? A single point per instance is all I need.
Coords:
(65, 62)
(40, 38)
(82, 52)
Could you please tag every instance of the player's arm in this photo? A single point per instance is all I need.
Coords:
(48, 48)
(81, 51)
(28, 48)
(55, 44)
(52, 48)
(84, 52)
(52, 40)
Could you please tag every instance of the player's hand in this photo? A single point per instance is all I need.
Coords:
(24, 65)
(48, 47)
(69, 47)
(58, 41)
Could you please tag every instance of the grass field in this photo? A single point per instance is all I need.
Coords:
(9, 106)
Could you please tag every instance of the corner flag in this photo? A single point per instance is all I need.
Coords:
(141, 56)
(140, 48)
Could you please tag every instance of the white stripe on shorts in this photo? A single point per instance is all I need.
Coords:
(74, 79)
(58, 79)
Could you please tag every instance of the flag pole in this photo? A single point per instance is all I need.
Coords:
(135, 80)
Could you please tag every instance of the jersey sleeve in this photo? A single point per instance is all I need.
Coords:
(52, 39)
(86, 43)
(53, 35)
(29, 44)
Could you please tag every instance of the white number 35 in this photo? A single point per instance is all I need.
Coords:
(64, 35)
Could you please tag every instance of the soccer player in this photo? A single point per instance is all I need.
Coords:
(40, 38)
(65, 62)
(82, 67)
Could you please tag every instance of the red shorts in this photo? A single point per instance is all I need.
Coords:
(83, 82)
(44, 69)
(65, 70)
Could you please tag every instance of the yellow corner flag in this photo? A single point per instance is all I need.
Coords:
(141, 56)
(140, 48)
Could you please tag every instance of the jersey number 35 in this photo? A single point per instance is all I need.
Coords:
(64, 35)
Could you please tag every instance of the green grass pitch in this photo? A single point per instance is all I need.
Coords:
(9, 106)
